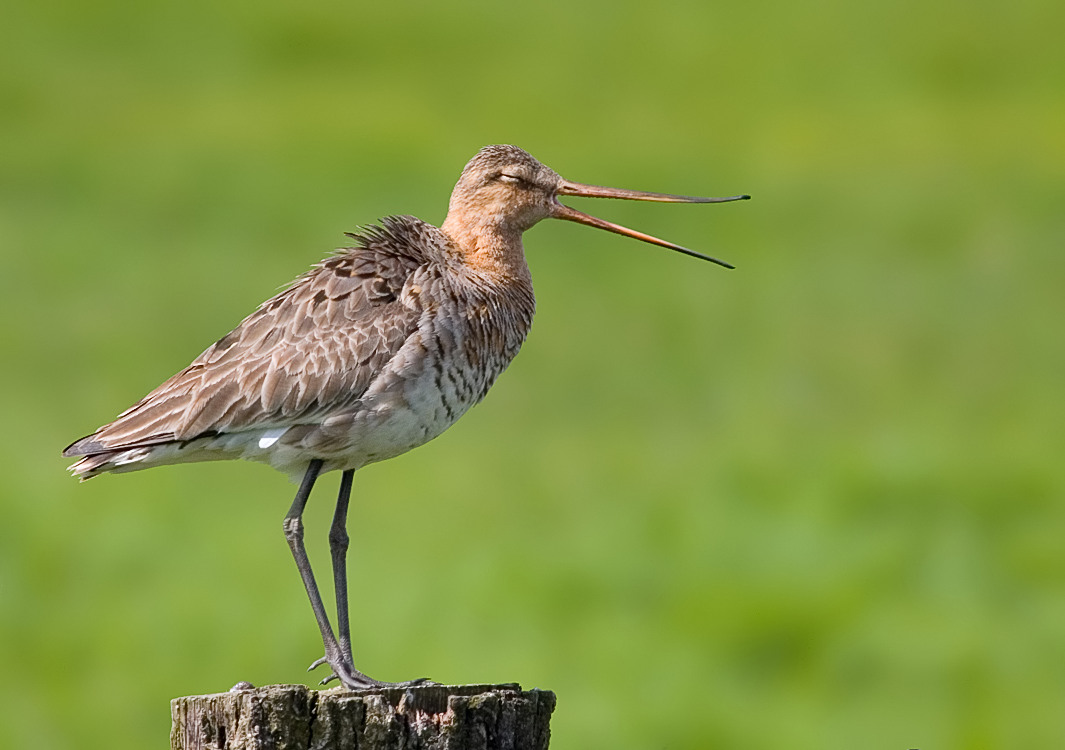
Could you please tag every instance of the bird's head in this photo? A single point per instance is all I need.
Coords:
(503, 189)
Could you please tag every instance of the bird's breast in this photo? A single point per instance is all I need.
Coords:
(462, 342)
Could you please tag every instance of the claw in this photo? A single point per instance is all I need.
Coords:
(353, 679)
(332, 673)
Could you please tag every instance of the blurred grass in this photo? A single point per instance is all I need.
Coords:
(812, 503)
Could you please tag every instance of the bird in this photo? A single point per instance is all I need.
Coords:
(374, 351)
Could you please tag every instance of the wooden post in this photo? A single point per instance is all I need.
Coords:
(425, 717)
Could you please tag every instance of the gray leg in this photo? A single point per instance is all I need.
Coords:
(338, 547)
(335, 656)
(294, 534)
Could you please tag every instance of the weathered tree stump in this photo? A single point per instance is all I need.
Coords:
(426, 717)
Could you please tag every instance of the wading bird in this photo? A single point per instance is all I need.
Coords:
(376, 350)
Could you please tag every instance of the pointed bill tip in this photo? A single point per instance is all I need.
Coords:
(729, 199)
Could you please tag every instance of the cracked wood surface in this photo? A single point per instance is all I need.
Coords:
(428, 717)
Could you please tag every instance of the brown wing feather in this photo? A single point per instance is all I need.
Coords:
(314, 347)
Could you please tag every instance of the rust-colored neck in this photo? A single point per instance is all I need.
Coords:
(494, 249)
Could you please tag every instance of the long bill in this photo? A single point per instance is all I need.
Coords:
(595, 191)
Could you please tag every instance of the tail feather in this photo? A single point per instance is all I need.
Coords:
(86, 446)
(95, 457)
(89, 466)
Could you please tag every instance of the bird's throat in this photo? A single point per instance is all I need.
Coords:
(491, 250)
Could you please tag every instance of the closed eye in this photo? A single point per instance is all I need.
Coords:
(509, 178)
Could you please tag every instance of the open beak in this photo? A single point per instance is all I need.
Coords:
(594, 191)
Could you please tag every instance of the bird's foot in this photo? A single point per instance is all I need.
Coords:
(353, 679)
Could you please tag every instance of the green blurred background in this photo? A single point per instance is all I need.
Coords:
(816, 502)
